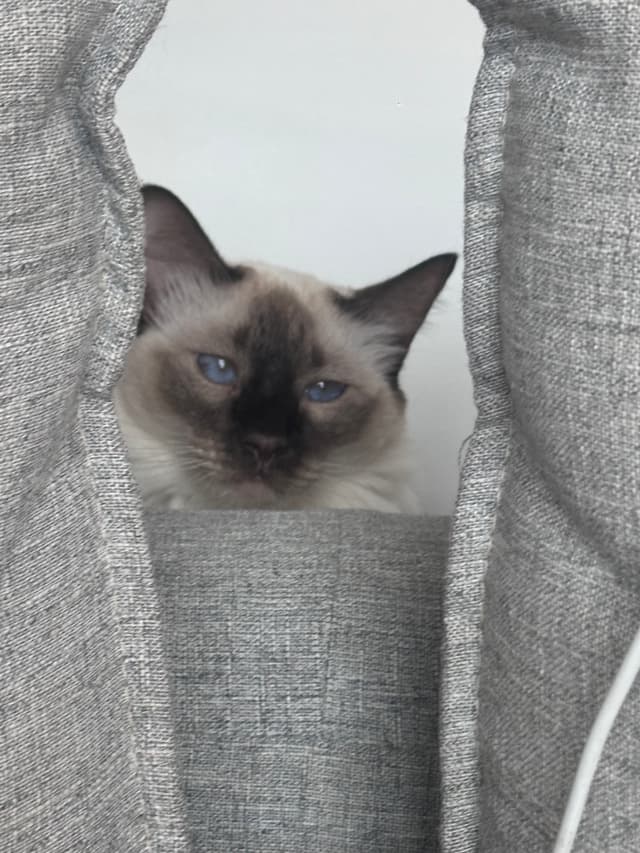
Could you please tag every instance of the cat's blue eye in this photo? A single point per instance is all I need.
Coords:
(325, 391)
(217, 369)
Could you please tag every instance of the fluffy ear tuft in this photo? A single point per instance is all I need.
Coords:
(400, 304)
(177, 251)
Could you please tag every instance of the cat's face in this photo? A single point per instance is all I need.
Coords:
(253, 386)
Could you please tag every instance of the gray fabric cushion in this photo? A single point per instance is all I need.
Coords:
(553, 319)
(85, 740)
(304, 654)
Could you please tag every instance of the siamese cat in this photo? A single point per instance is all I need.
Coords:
(251, 386)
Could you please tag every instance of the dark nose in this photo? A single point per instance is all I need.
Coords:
(264, 448)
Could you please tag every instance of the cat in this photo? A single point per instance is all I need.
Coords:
(250, 386)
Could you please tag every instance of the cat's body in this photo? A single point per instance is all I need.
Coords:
(256, 387)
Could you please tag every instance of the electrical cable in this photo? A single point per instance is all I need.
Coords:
(594, 746)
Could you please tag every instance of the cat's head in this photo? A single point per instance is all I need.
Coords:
(253, 386)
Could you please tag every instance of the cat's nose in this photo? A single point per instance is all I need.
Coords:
(264, 448)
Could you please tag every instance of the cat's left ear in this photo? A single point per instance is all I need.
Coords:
(401, 303)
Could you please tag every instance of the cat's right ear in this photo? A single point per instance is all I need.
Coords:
(177, 251)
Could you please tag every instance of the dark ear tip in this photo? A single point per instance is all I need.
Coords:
(151, 191)
(446, 262)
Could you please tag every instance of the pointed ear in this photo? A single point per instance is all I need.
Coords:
(176, 251)
(400, 305)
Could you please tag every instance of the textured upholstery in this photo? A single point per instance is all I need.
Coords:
(86, 748)
(304, 656)
(543, 591)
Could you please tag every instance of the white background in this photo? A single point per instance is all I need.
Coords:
(327, 137)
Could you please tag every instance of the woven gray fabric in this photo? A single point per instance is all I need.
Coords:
(483, 467)
(86, 755)
(552, 317)
(304, 650)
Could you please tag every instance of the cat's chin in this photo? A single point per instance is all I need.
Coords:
(254, 493)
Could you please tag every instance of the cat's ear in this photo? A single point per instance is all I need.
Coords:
(177, 251)
(400, 305)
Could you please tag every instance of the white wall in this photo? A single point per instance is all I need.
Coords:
(327, 137)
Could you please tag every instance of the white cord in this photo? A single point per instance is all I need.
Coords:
(598, 735)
